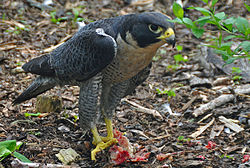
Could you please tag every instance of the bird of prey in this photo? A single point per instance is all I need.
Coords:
(107, 59)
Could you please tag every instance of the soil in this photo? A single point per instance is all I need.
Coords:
(26, 30)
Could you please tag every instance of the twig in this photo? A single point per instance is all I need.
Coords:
(17, 163)
(21, 121)
(139, 108)
(161, 137)
(245, 89)
(139, 132)
(204, 118)
(202, 129)
(188, 104)
(228, 123)
(216, 131)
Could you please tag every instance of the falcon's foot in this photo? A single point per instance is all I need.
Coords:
(110, 135)
(103, 142)
(101, 146)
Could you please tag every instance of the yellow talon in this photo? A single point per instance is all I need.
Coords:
(110, 135)
(102, 142)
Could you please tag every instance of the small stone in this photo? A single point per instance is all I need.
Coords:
(63, 128)
(227, 130)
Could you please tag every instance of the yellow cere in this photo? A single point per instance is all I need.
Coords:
(169, 32)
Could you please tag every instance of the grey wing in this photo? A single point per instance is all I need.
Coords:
(80, 58)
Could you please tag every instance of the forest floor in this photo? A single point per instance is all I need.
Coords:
(184, 132)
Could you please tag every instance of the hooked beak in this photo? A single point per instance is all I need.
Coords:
(168, 36)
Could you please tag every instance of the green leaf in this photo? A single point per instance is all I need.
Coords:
(180, 138)
(247, 6)
(228, 44)
(224, 54)
(177, 10)
(21, 157)
(247, 34)
(206, 1)
(236, 70)
(9, 144)
(220, 39)
(171, 93)
(202, 20)
(228, 26)
(179, 48)
(211, 46)
(75, 12)
(230, 20)
(176, 20)
(178, 58)
(220, 15)
(242, 24)
(230, 37)
(202, 10)
(231, 60)
(32, 114)
(245, 45)
(237, 77)
(197, 32)
(188, 22)
(213, 3)
(4, 152)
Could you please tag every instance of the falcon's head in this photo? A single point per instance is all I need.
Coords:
(149, 28)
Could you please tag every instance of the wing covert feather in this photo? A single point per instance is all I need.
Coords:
(80, 58)
(83, 56)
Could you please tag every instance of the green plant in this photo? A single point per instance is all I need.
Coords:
(182, 139)
(178, 59)
(234, 28)
(236, 71)
(32, 114)
(56, 20)
(170, 92)
(75, 118)
(9, 147)
(226, 156)
(18, 29)
(76, 13)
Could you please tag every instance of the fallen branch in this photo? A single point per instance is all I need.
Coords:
(225, 98)
(139, 108)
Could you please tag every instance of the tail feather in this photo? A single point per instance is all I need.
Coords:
(38, 86)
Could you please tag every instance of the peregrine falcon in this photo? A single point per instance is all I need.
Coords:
(107, 59)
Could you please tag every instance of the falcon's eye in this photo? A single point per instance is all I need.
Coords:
(154, 28)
